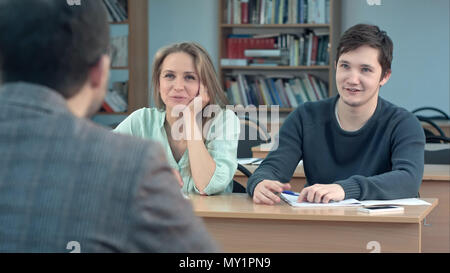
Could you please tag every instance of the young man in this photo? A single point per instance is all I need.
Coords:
(66, 183)
(354, 145)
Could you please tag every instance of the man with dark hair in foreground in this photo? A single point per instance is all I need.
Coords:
(64, 181)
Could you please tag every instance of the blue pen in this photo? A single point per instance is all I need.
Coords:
(291, 193)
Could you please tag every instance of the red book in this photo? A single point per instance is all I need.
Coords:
(315, 88)
(241, 48)
(229, 48)
(107, 108)
(314, 49)
(244, 11)
(233, 48)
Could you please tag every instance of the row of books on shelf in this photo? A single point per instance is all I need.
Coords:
(115, 100)
(287, 92)
(117, 10)
(119, 51)
(277, 12)
(309, 48)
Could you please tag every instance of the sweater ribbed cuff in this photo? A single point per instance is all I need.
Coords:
(351, 189)
(252, 182)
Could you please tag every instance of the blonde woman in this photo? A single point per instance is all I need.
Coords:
(200, 145)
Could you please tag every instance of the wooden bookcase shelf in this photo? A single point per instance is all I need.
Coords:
(274, 25)
(274, 68)
(324, 72)
(138, 67)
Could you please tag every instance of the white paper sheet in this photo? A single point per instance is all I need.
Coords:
(398, 202)
(245, 161)
(255, 161)
(292, 200)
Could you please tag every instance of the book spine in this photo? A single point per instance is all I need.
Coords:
(290, 94)
(262, 52)
(244, 11)
(315, 43)
(304, 90)
(228, 89)
(242, 90)
(235, 91)
(314, 87)
(107, 108)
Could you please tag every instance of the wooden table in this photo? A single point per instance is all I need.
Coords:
(435, 184)
(262, 150)
(444, 124)
(239, 225)
(274, 128)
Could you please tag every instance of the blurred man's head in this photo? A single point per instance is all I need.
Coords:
(52, 43)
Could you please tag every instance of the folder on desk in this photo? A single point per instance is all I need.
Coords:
(292, 200)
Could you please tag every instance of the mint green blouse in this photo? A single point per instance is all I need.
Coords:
(221, 143)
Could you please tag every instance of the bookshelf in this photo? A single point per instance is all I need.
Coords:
(293, 26)
(136, 70)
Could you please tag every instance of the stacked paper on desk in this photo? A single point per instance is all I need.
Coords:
(245, 161)
(292, 200)
(255, 161)
(395, 202)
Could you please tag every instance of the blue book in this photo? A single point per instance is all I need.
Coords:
(252, 94)
(240, 36)
(277, 10)
(300, 11)
(275, 92)
(269, 88)
(285, 11)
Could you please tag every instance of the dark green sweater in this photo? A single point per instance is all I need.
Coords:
(382, 160)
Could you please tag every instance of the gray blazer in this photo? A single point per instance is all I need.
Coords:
(67, 184)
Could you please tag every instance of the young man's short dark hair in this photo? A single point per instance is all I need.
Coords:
(57, 44)
(369, 35)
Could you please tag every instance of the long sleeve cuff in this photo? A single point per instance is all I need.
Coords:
(351, 189)
(252, 182)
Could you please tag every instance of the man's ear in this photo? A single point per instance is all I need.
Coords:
(386, 77)
(99, 73)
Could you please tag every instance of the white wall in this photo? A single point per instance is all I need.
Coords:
(420, 32)
(418, 28)
(173, 21)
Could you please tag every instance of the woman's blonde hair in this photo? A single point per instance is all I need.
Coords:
(204, 68)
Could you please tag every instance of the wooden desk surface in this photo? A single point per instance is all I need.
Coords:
(431, 172)
(436, 172)
(444, 124)
(436, 184)
(238, 225)
(238, 205)
(263, 149)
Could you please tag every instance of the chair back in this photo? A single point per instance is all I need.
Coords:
(252, 134)
(430, 136)
(237, 187)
